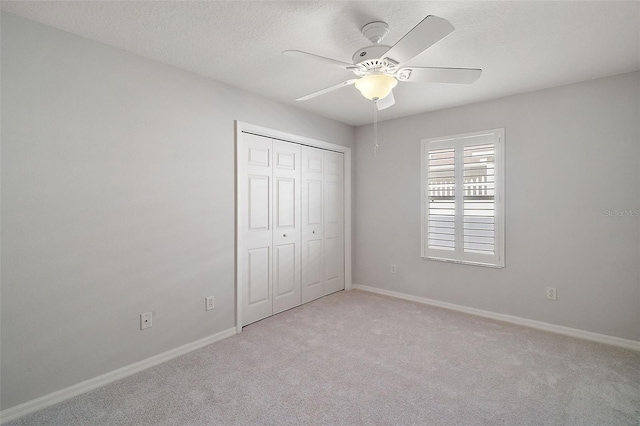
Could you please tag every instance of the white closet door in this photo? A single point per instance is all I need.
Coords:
(286, 225)
(312, 224)
(333, 222)
(255, 274)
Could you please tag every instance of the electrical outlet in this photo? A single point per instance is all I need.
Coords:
(146, 320)
(393, 268)
(551, 293)
(209, 303)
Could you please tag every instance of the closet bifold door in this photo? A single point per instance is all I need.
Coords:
(255, 272)
(286, 225)
(290, 225)
(333, 247)
(312, 224)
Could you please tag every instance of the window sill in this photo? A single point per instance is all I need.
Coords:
(463, 262)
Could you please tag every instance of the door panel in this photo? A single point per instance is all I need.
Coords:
(332, 258)
(258, 276)
(333, 253)
(312, 228)
(314, 202)
(332, 203)
(285, 192)
(314, 161)
(254, 225)
(258, 203)
(258, 153)
(287, 225)
(284, 272)
(312, 271)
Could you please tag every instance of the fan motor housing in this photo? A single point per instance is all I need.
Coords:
(370, 52)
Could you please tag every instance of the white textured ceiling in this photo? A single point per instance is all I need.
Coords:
(521, 46)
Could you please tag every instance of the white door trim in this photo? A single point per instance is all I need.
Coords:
(302, 140)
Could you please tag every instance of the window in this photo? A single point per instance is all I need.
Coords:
(463, 198)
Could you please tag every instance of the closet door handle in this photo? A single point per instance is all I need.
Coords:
(284, 235)
(313, 232)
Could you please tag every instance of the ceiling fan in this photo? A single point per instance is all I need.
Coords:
(379, 67)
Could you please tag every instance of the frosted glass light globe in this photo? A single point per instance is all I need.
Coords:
(376, 86)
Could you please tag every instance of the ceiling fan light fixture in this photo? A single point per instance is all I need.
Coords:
(379, 68)
(376, 86)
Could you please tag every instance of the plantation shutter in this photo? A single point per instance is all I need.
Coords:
(462, 198)
(479, 191)
(441, 187)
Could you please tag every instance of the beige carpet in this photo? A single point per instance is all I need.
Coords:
(359, 358)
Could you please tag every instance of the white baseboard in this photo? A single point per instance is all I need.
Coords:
(559, 329)
(91, 384)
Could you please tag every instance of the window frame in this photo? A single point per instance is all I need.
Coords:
(458, 143)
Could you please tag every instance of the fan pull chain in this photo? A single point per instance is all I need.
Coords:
(375, 128)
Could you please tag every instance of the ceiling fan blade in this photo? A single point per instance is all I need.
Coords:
(317, 58)
(443, 75)
(428, 32)
(386, 102)
(327, 90)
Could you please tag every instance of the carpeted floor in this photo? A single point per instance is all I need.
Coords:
(356, 358)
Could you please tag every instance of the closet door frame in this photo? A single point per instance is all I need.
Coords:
(240, 129)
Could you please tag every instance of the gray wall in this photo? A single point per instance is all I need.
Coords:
(572, 153)
(117, 199)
